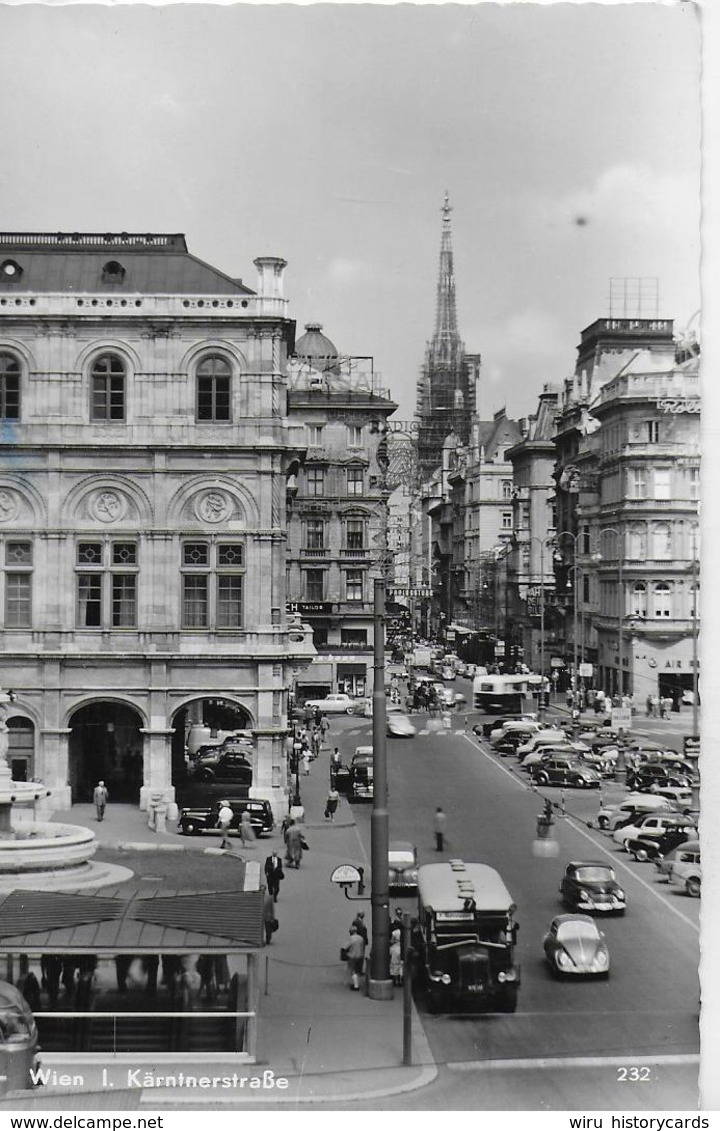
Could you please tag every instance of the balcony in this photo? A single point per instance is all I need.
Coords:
(315, 552)
(355, 555)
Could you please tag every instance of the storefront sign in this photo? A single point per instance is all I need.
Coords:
(680, 404)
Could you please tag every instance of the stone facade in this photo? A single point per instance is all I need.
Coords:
(143, 506)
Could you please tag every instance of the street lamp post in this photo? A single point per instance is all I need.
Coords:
(380, 986)
(574, 569)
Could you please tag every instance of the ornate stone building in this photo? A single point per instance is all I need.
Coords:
(144, 454)
(338, 518)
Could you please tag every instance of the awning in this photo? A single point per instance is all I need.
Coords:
(462, 629)
(135, 921)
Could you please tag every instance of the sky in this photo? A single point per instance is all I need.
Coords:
(567, 138)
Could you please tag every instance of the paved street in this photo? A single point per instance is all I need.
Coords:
(649, 1007)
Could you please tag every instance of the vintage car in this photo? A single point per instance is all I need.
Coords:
(336, 704)
(565, 770)
(360, 780)
(223, 765)
(611, 816)
(686, 871)
(655, 823)
(195, 819)
(658, 842)
(402, 865)
(649, 774)
(665, 863)
(399, 725)
(575, 947)
(589, 885)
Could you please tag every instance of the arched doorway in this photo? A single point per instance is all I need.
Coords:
(202, 721)
(106, 744)
(21, 748)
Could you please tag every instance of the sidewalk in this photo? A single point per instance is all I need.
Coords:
(330, 1044)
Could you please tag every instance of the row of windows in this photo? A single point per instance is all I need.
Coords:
(315, 582)
(316, 534)
(659, 599)
(108, 388)
(316, 435)
(316, 482)
(656, 483)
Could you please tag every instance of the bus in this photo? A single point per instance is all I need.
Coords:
(503, 694)
(465, 938)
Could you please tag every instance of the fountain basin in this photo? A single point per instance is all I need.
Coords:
(45, 846)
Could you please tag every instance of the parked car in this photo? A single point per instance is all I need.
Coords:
(564, 770)
(520, 729)
(545, 735)
(230, 766)
(336, 704)
(654, 773)
(574, 946)
(486, 729)
(686, 872)
(197, 819)
(665, 863)
(399, 725)
(589, 885)
(678, 795)
(543, 751)
(360, 783)
(656, 843)
(644, 823)
(447, 672)
(402, 865)
(620, 813)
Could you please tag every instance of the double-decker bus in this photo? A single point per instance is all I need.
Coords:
(465, 938)
(502, 694)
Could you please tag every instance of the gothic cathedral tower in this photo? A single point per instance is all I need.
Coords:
(446, 387)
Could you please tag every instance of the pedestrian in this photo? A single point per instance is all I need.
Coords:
(295, 844)
(205, 967)
(667, 701)
(331, 804)
(648, 706)
(324, 726)
(274, 874)
(396, 962)
(247, 832)
(30, 989)
(335, 764)
(318, 716)
(315, 741)
(655, 705)
(224, 820)
(439, 823)
(270, 922)
(100, 797)
(355, 951)
(306, 759)
(359, 924)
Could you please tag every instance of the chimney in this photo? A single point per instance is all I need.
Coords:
(270, 275)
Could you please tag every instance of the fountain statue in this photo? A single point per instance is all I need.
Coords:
(43, 854)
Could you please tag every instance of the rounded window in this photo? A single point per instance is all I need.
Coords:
(107, 381)
(10, 270)
(9, 387)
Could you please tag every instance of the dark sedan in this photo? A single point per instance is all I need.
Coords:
(196, 819)
(575, 947)
(591, 886)
(654, 773)
(229, 766)
(565, 771)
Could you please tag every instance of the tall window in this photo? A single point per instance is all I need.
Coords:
(661, 599)
(585, 538)
(507, 488)
(212, 584)
(18, 584)
(639, 599)
(653, 431)
(507, 520)
(213, 389)
(315, 477)
(9, 387)
(638, 482)
(107, 388)
(694, 482)
(661, 483)
(315, 585)
(315, 534)
(661, 546)
(315, 435)
(355, 481)
(355, 436)
(355, 534)
(106, 578)
(637, 543)
(354, 585)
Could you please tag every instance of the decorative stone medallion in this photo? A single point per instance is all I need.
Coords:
(8, 505)
(107, 506)
(214, 506)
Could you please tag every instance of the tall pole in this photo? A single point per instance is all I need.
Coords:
(621, 615)
(695, 704)
(576, 685)
(380, 986)
(542, 628)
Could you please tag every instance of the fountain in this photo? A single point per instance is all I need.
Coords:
(42, 854)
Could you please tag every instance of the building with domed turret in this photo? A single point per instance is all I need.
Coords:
(337, 518)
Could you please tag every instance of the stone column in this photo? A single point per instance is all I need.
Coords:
(51, 765)
(157, 763)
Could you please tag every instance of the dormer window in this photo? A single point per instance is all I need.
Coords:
(10, 271)
(113, 272)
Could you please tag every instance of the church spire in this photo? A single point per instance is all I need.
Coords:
(445, 339)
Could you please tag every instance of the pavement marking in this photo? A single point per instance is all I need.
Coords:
(596, 844)
(573, 1062)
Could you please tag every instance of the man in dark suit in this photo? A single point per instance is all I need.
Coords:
(274, 874)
